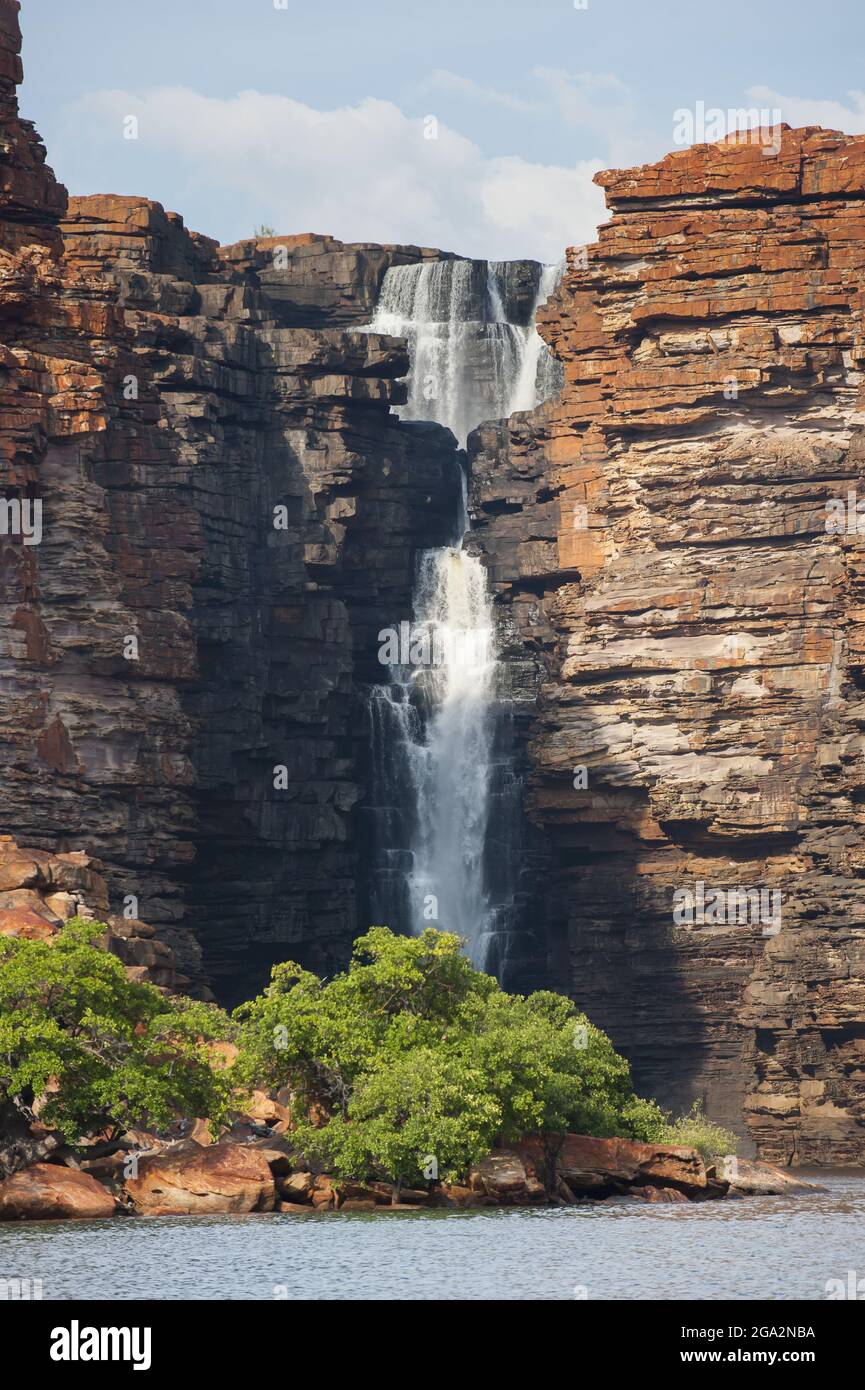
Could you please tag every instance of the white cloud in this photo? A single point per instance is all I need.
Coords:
(601, 104)
(360, 173)
(445, 80)
(798, 111)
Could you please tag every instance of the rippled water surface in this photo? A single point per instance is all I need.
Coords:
(758, 1248)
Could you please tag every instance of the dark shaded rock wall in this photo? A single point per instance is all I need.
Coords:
(179, 673)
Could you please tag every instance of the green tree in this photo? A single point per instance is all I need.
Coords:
(413, 1053)
(105, 1053)
(427, 1104)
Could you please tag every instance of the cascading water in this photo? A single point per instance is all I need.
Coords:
(475, 352)
(444, 794)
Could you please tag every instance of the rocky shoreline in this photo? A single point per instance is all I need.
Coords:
(238, 1175)
(253, 1167)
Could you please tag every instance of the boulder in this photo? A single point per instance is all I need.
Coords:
(297, 1187)
(280, 1156)
(664, 1195)
(381, 1193)
(502, 1176)
(323, 1194)
(49, 1192)
(755, 1179)
(598, 1166)
(261, 1109)
(188, 1179)
(24, 922)
(22, 1143)
(459, 1195)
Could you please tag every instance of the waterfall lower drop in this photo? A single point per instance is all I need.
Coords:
(445, 800)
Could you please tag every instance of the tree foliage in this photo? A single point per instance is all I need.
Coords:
(697, 1131)
(95, 1050)
(412, 1054)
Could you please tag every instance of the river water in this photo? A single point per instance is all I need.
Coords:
(757, 1248)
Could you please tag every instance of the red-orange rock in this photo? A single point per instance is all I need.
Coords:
(590, 1165)
(189, 1179)
(22, 921)
(49, 1191)
(693, 633)
(142, 368)
(39, 891)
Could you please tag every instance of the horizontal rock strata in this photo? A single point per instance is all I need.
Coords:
(229, 516)
(657, 538)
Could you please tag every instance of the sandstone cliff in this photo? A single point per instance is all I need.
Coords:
(230, 514)
(657, 540)
(676, 617)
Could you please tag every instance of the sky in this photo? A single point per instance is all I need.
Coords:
(471, 125)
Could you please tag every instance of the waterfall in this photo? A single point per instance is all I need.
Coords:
(474, 349)
(539, 375)
(444, 797)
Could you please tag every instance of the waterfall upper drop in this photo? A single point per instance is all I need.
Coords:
(445, 803)
(470, 325)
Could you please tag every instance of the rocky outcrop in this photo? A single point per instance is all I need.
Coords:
(670, 591)
(188, 1179)
(599, 1167)
(230, 513)
(41, 891)
(50, 1192)
(229, 516)
(746, 1179)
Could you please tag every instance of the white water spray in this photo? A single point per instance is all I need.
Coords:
(470, 359)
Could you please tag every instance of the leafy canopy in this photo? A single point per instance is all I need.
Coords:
(105, 1052)
(413, 1054)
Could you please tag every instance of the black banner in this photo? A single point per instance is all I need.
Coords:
(642, 1337)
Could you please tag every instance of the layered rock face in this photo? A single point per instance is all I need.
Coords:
(208, 512)
(40, 891)
(229, 514)
(657, 540)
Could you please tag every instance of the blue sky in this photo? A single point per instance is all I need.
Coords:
(316, 117)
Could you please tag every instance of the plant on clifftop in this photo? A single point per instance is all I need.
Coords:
(412, 1054)
(93, 1051)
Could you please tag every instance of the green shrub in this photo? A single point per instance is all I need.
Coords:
(699, 1132)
